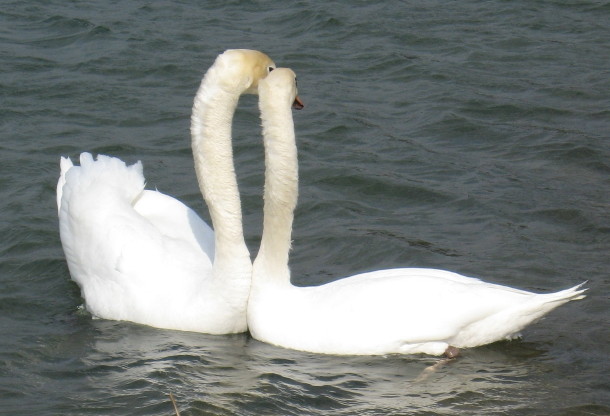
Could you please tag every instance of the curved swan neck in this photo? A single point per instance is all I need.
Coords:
(281, 190)
(211, 122)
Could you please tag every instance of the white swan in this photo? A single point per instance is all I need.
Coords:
(385, 311)
(143, 256)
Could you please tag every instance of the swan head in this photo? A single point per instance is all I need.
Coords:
(240, 70)
(280, 87)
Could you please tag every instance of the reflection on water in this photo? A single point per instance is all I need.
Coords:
(238, 375)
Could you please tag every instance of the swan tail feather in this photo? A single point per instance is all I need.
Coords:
(64, 166)
(98, 180)
(563, 296)
(508, 323)
(95, 208)
(541, 304)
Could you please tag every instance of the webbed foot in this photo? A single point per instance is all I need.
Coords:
(452, 352)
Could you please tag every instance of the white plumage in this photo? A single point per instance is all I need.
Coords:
(386, 311)
(145, 257)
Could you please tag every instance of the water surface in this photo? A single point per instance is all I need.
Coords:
(470, 136)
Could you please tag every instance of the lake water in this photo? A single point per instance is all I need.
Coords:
(470, 136)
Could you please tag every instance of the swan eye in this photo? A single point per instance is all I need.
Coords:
(269, 69)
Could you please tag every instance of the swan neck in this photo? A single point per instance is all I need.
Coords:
(211, 122)
(281, 192)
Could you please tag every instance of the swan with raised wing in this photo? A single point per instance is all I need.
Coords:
(142, 256)
(406, 310)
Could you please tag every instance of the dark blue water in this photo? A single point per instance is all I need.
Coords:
(471, 136)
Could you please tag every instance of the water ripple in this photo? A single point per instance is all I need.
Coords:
(468, 136)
